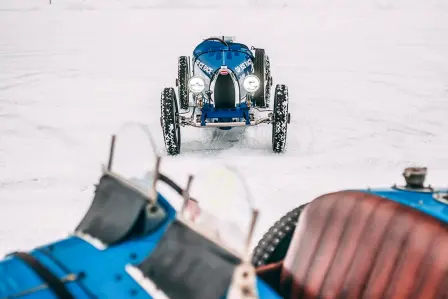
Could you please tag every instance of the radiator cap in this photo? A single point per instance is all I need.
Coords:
(415, 180)
(415, 177)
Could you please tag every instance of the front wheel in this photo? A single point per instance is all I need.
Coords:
(169, 121)
(274, 245)
(281, 118)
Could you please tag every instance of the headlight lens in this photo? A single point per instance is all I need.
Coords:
(196, 84)
(251, 83)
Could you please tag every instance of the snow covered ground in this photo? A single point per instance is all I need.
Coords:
(368, 87)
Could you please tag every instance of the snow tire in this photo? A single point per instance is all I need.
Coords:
(169, 121)
(269, 82)
(260, 71)
(281, 118)
(182, 82)
(274, 245)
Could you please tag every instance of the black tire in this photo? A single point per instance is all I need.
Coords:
(274, 245)
(168, 120)
(281, 118)
(269, 82)
(182, 81)
(259, 71)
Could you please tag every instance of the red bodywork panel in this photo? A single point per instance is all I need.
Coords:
(353, 244)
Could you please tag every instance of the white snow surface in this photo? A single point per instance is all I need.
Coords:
(368, 85)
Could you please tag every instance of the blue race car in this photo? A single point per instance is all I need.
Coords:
(133, 243)
(225, 84)
(414, 194)
(371, 243)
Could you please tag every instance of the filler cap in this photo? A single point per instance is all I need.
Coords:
(415, 177)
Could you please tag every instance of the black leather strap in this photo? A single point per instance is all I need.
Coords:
(173, 185)
(53, 282)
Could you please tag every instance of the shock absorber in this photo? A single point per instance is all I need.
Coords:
(209, 95)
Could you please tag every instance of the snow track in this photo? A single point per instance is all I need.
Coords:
(368, 87)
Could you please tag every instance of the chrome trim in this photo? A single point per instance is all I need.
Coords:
(193, 92)
(229, 124)
(421, 190)
(259, 81)
(244, 283)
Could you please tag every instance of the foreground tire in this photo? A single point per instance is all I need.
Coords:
(168, 121)
(281, 118)
(274, 245)
(260, 71)
(182, 81)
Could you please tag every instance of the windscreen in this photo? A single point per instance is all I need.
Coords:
(134, 154)
(222, 208)
(225, 209)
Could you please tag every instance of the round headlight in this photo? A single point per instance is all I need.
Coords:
(196, 84)
(251, 83)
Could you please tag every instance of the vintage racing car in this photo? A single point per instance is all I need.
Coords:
(225, 84)
(368, 243)
(134, 243)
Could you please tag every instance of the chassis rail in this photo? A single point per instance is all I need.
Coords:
(227, 124)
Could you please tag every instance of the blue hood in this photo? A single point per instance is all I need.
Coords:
(209, 56)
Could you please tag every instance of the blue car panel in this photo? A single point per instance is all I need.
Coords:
(422, 201)
(209, 56)
(104, 274)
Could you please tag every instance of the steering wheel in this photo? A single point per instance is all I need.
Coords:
(218, 39)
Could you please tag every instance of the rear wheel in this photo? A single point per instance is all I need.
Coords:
(182, 81)
(281, 118)
(269, 82)
(169, 122)
(260, 71)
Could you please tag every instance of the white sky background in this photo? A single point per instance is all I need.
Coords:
(368, 83)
